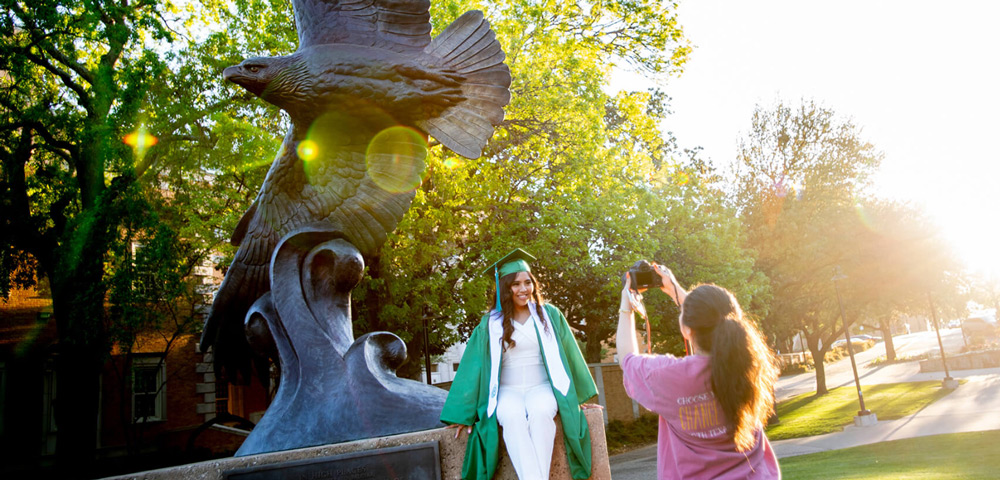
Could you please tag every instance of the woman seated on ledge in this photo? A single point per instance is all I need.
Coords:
(712, 404)
(520, 367)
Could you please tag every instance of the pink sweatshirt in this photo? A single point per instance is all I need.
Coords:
(694, 440)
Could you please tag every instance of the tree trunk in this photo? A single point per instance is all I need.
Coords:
(890, 348)
(76, 408)
(78, 301)
(592, 352)
(817, 354)
(78, 304)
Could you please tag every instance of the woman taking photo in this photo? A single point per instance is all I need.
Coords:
(713, 403)
(520, 367)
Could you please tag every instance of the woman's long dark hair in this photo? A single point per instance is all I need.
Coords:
(507, 304)
(743, 368)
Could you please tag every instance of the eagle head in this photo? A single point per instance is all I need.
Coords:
(275, 80)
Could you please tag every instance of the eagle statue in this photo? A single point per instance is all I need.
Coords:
(365, 88)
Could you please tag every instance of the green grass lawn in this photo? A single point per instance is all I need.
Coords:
(807, 415)
(953, 456)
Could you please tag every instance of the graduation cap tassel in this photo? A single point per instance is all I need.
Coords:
(496, 277)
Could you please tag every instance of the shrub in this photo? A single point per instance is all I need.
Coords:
(880, 360)
(840, 351)
(981, 347)
(626, 436)
(796, 368)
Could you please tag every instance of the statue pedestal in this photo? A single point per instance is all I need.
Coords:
(452, 453)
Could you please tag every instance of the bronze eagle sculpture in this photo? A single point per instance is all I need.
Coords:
(364, 89)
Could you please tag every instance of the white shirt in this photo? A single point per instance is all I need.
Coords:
(522, 364)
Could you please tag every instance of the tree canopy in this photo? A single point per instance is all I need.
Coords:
(111, 113)
(802, 181)
(798, 174)
(578, 176)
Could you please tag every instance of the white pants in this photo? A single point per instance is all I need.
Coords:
(527, 415)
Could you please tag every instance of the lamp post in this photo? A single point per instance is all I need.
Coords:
(838, 276)
(427, 353)
(948, 382)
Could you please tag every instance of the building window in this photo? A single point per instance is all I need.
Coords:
(221, 397)
(145, 280)
(148, 389)
(454, 367)
(434, 368)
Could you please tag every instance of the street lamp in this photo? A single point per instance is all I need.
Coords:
(427, 353)
(948, 382)
(864, 412)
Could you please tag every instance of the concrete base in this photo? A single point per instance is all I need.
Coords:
(949, 383)
(865, 420)
(452, 454)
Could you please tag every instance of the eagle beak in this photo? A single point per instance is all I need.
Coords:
(231, 72)
(250, 83)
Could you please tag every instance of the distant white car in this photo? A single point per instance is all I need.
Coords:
(977, 326)
(856, 338)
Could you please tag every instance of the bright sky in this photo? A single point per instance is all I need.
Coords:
(922, 80)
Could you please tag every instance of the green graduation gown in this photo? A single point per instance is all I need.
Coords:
(468, 400)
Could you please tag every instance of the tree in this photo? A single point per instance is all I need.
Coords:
(78, 74)
(797, 174)
(79, 77)
(900, 260)
(701, 239)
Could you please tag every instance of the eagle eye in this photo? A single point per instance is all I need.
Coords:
(253, 68)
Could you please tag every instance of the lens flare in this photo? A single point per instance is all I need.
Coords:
(308, 150)
(682, 178)
(864, 217)
(325, 146)
(140, 141)
(451, 163)
(396, 159)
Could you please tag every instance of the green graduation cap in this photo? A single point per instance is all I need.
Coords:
(515, 261)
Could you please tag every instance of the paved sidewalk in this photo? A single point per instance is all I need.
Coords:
(973, 406)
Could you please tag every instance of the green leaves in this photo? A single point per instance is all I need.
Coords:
(585, 181)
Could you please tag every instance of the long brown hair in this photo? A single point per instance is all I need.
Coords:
(743, 368)
(507, 305)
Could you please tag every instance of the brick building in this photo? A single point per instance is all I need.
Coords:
(160, 402)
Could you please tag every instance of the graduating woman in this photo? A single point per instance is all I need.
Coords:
(520, 367)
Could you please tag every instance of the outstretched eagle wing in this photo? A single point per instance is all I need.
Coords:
(398, 25)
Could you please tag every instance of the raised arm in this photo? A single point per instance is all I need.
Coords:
(625, 338)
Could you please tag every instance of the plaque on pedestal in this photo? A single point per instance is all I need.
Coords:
(409, 462)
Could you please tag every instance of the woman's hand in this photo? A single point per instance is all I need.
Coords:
(588, 406)
(459, 427)
(670, 285)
